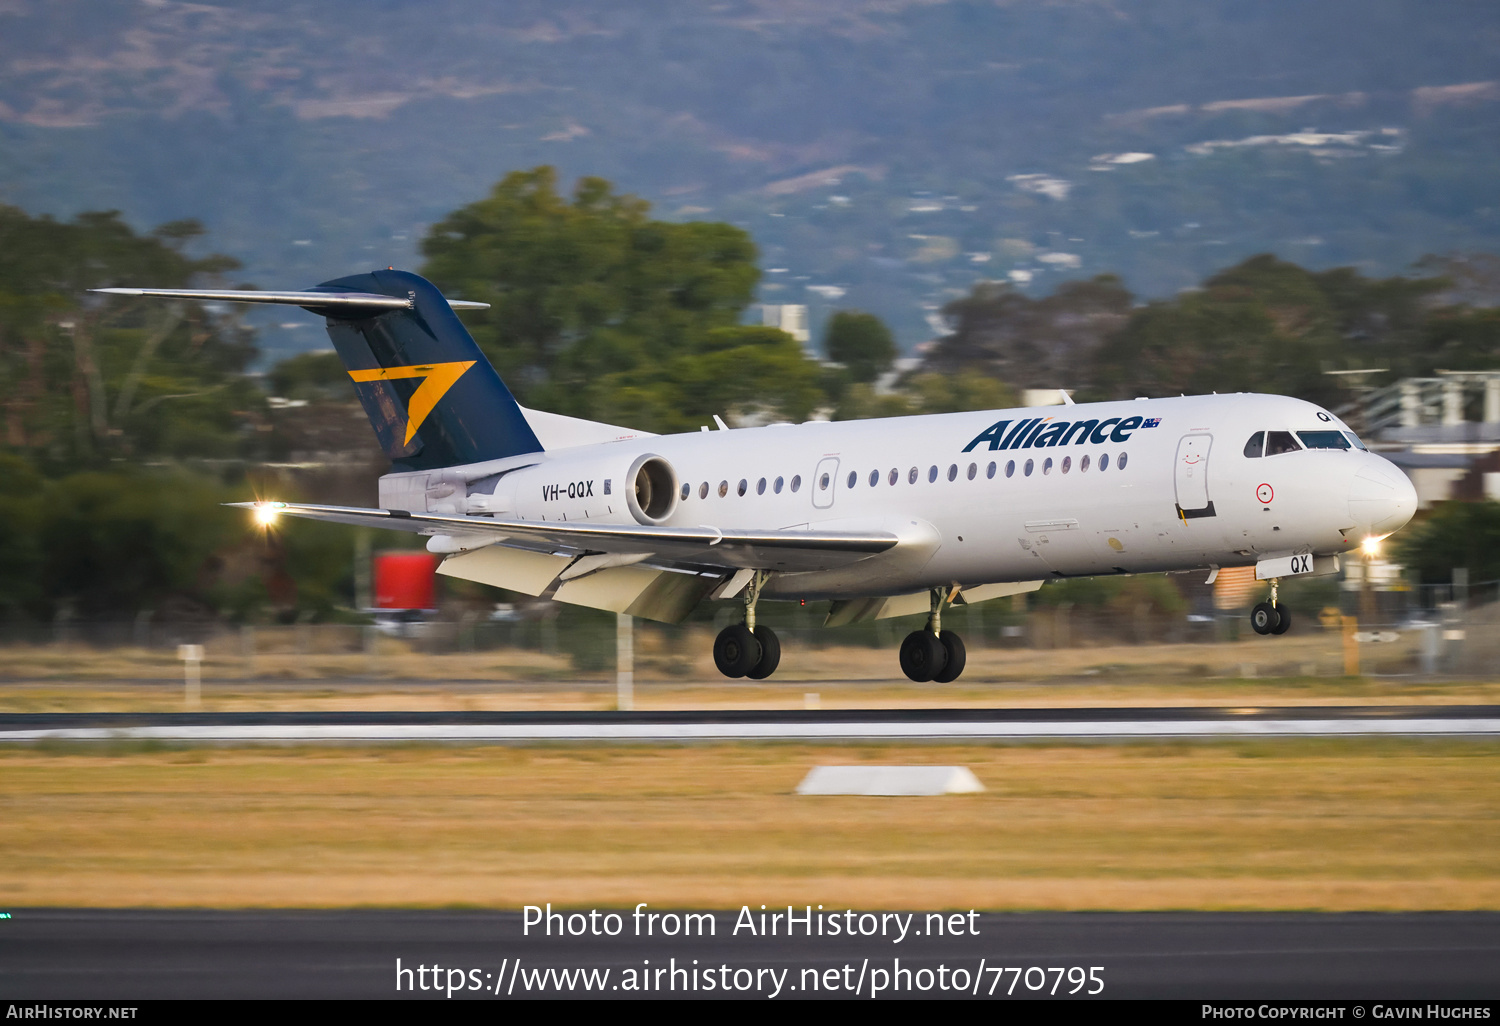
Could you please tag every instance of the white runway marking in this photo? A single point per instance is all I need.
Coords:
(773, 731)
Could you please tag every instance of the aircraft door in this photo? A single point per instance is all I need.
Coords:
(825, 482)
(1192, 477)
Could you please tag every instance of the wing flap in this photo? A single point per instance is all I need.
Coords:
(881, 607)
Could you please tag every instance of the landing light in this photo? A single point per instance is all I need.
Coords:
(267, 512)
(1371, 547)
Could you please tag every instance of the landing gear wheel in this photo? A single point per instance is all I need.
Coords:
(1283, 619)
(736, 651)
(1265, 619)
(954, 646)
(923, 656)
(770, 654)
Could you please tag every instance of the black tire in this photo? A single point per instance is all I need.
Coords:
(1283, 619)
(957, 657)
(770, 654)
(736, 650)
(922, 656)
(1264, 618)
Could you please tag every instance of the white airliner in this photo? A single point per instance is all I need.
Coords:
(883, 517)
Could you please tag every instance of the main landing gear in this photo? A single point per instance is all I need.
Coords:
(933, 653)
(743, 649)
(748, 650)
(1270, 617)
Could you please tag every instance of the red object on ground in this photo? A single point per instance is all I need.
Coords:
(405, 580)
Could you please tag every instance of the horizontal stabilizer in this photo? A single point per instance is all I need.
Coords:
(312, 299)
(707, 547)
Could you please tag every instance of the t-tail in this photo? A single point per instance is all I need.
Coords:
(431, 396)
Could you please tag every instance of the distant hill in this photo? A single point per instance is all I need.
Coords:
(885, 154)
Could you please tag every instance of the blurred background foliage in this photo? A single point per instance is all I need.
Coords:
(1454, 534)
(124, 423)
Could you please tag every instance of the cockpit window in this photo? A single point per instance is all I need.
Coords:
(1323, 439)
(1278, 442)
(1355, 439)
(1256, 447)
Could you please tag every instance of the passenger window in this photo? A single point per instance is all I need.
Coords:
(796, 481)
(911, 476)
(1010, 468)
(953, 472)
(895, 475)
(853, 477)
(989, 471)
(1323, 439)
(777, 486)
(760, 487)
(1083, 464)
(874, 478)
(1030, 464)
(1047, 465)
(744, 486)
(1120, 463)
(931, 474)
(1067, 464)
(823, 483)
(1104, 462)
(974, 469)
(1256, 447)
(1278, 442)
(723, 489)
(703, 490)
(687, 490)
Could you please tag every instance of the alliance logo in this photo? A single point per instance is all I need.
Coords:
(1044, 432)
(439, 378)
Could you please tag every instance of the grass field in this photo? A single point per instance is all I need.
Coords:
(1292, 824)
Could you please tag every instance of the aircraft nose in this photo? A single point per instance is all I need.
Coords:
(1381, 499)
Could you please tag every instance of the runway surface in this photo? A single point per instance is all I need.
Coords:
(123, 955)
(845, 725)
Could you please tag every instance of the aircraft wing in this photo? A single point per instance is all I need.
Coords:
(786, 551)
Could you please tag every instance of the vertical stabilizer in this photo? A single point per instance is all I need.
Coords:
(432, 397)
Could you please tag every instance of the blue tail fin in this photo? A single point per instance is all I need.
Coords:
(432, 397)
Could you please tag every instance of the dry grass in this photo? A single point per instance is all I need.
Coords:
(1266, 825)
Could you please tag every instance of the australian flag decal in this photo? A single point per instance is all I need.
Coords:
(1151, 422)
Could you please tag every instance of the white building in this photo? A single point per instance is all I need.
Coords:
(1421, 425)
(789, 317)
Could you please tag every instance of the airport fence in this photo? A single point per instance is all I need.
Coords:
(1428, 631)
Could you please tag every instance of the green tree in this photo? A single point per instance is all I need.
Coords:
(319, 375)
(1267, 325)
(85, 378)
(113, 543)
(999, 331)
(599, 311)
(23, 577)
(861, 342)
(1455, 534)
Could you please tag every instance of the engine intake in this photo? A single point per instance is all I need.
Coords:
(652, 496)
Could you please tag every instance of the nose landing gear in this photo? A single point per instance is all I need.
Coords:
(744, 649)
(1270, 617)
(934, 654)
